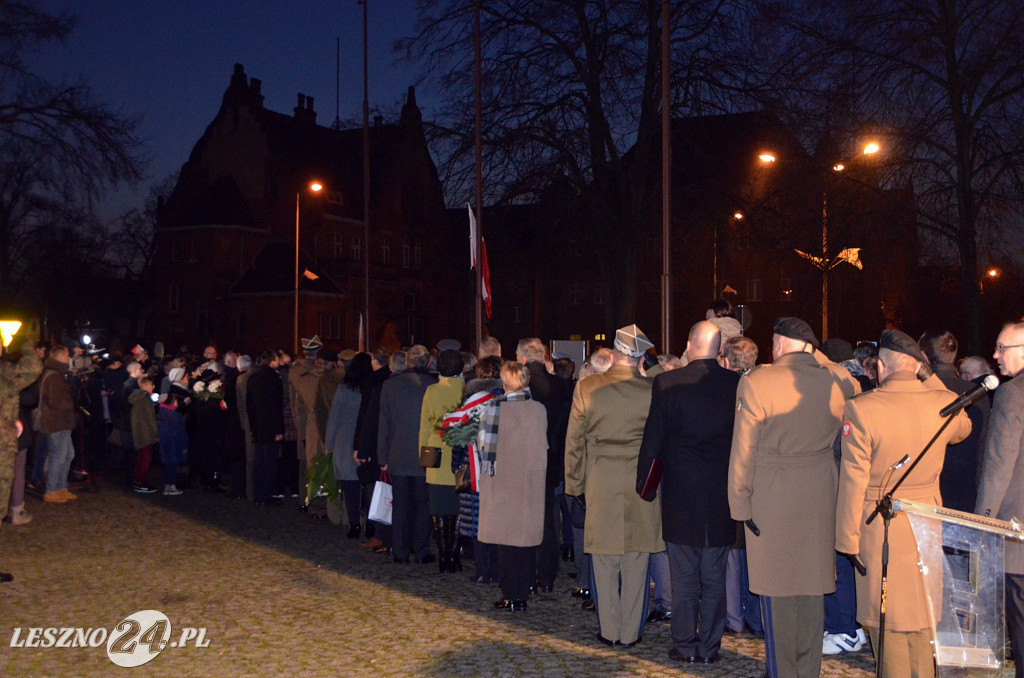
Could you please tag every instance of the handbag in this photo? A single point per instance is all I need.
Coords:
(430, 457)
(381, 503)
(463, 480)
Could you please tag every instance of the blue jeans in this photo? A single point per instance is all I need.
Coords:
(658, 572)
(61, 453)
(841, 606)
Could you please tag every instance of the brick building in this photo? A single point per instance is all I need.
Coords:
(225, 236)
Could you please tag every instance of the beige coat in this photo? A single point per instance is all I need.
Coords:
(512, 500)
(782, 472)
(880, 427)
(606, 426)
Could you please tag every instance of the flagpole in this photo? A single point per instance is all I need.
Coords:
(366, 177)
(479, 174)
(666, 181)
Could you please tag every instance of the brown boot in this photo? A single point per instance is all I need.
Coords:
(55, 497)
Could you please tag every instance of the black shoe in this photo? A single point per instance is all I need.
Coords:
(638, 640)
(382, 550)
(6, 577)
(353, 532)
(659, 615)
(503, 605)
(604, 640)
(711, 660)
(580, 593)
(545, 589)
(304, 508)
(588, 604)
(429, 558)
(675, 654)
(518, 605)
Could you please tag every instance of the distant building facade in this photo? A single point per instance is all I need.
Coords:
(225, 236)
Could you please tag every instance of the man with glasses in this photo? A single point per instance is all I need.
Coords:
(1001, 493)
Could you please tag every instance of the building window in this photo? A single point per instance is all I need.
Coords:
(417, 254)
(330, 325)
(406, 251)
(355, 249)
(174, 299)
(786, 290)
(385, 250)
(754, 289)
(575, 294)
(517, 314)
(204, 318)
(599, 294)
(339, 246)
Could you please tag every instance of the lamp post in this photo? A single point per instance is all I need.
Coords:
(314, 187)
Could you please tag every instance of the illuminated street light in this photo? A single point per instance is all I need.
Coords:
(8, 328)
(766, 158)
(314, 187)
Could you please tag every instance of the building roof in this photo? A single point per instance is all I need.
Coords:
(273, 272)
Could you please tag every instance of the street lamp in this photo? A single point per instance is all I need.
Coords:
(8, 328)
(313, 187)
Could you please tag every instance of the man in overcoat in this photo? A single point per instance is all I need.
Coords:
(689, 429)
(602, 446)
(880, 427)
(782, 483)
(1001, 492)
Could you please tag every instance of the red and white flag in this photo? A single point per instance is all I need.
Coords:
(485, 270)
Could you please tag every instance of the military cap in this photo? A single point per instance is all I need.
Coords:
(312, 345)
(449, 345)
(632, 341)
(795, 328)
(347, 355)
(900, 342)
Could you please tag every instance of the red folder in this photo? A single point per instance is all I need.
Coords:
(653, 478)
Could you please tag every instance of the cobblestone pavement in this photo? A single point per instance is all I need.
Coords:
(282, 593)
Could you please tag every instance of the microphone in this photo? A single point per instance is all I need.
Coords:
(990, 383)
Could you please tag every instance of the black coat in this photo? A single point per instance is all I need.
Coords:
(961, 470)
(264, 403)
(555, 394)
(689, 428)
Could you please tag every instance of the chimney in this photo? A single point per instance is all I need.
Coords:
(255, 92)
(300, 106)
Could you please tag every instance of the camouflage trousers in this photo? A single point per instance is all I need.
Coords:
(8, 453)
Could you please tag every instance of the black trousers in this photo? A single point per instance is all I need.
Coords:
(548, 553)
(515, 571)
(1015, 619)
(410, 518)
(698, 598)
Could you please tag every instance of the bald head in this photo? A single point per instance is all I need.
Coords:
(705, 341)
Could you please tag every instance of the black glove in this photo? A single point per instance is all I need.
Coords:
(753, 527)
(855, 560)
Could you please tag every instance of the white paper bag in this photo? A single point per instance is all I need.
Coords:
(380, 505)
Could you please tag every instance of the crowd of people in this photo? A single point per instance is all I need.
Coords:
(739, 491)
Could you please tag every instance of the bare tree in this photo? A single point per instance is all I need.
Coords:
(59, 147)
(569, 86)
(945, 79)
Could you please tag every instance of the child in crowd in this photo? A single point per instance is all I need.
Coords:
(144, 431)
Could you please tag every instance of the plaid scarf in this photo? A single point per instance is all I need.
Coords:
(487, 438)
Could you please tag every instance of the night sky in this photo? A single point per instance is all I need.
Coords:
(170, 62)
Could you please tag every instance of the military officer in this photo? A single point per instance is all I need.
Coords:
(880, 427)
(782, 483)
(13, 378)
(602, 446)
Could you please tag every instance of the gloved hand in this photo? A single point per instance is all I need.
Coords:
(855, 560)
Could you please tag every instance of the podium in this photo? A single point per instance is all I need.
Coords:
(961, 561)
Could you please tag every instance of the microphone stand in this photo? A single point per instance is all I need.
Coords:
(883, 507)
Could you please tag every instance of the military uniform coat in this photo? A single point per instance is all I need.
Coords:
(1001, 493)
(602, 446)
(881, 426)
(782, 473)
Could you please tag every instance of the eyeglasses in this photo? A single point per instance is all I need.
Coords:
(1000, 348)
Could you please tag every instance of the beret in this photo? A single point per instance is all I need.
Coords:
(795, 328)
(900, 342)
